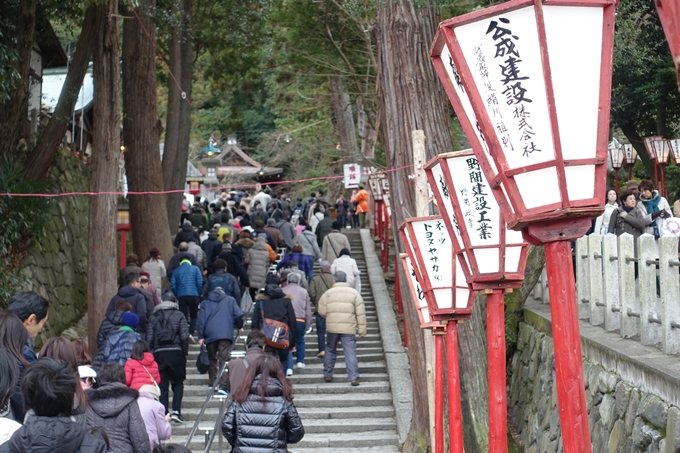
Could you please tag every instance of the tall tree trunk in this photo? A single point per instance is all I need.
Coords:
(344, 121)
(46, 147)
(14, 112)
(175, 169)
(410, 97)
(169, 162)
(141, 131)
(102, 239)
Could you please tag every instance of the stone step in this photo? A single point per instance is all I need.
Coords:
(337, 386)
(296, 378)
(313, 400)
(332, 441)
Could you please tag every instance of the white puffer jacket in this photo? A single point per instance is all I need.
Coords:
(344, 310)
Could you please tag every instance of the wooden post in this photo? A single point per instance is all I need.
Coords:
(595, 269)
(495, 335)
(611, 282)
(582, 278)
(630, 325)
(421, 201)
(650, 332)
(670, 294)
(567, 344)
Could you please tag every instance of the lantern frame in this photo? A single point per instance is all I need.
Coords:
(630, 154)
(470, 108)
(447, 197)
(674, 145)
(422, 308)
(617, 156)
(437, 312)
(375, 186)
(662, 150)
(649, 146)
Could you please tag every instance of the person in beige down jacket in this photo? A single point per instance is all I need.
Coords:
(333, 243)
(343, 308)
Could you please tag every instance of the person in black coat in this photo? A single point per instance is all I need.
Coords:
(234, 266)
(209, 245)
(112, 321)
(48, 387)
(185, 234)
(132, 294)
(262, 416)
(177, 258)
(276, 305)
(171, 356)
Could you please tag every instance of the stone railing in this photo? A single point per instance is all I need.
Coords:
(638, 297)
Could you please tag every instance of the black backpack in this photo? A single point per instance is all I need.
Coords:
(163, 330)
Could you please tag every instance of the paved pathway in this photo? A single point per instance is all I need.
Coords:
(337, 417)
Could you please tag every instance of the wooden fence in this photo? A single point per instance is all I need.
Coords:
(646, 308)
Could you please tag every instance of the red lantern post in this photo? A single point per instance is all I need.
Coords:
(629, 158)
(439, 272)
(662, 149)
(617, 157)
(496, 256)
(544, 145)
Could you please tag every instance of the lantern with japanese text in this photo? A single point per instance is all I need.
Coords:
(496, 255)
(418, 295)
(438, 269)
(674, 145)
(662, 150)
(617, 157)
(629, 157)
(540, 128)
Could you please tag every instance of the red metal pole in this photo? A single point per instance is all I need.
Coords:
(630, 170)
(386, 239)
(663, 181)
(378, 213)
(567, 344)
(123, 248)
(453, 387)
(616, 172)
(495, 336)
(397, 288)
(438, 393)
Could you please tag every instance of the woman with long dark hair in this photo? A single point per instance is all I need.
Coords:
(13, 338)
(155, 266)
(262, 416)
(9, 375)
(62, 349)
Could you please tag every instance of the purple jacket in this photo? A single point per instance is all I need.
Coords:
(153, 414)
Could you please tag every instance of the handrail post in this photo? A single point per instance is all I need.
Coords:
(670, 294)
(629, 325)
(596, 290)
(582, 277)
(612, 319)
(649, 331)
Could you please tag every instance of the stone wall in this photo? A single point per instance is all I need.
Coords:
(622, 416)
(57, 267)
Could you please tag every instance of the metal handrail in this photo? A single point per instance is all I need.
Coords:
(209, 397)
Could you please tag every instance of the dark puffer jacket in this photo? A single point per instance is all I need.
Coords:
(110, 323)
(117, 348)
(52, 435)
(113, 407)
(179, 325)
(263, 424)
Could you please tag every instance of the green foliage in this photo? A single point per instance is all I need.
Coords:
(644, 89)
(24, 219)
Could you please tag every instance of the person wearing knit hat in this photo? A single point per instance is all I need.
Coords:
(633, 186)
(118, 344)
(156, 421)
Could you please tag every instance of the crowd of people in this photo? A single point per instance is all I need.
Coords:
(239, 261)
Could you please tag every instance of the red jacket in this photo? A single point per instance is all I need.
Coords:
(135, 374)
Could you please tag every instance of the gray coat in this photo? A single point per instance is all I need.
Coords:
(113, 407)
(257, 260)
(632, 222)
(307, 241)
(287, 232)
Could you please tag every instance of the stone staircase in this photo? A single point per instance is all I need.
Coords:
(337, 417)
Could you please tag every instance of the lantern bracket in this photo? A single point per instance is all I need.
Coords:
(565, 230)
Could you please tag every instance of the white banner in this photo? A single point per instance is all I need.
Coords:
(352, 175)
